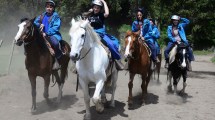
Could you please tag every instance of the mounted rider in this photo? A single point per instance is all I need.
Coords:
(155, 35)
(176, 34)
(97, 18)
(49, 24)
(146, 33)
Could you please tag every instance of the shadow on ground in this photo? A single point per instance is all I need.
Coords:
(66, 102)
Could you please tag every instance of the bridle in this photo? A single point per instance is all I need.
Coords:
(83, 44)
(30, 34)
(135, 41)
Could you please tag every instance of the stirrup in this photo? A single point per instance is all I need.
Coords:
(119, 65)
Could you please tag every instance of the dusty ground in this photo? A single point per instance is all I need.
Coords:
(197, 104)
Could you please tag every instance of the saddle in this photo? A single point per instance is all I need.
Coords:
(148, 49)
(51, 48)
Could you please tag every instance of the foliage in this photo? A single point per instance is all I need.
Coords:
(213, 59)
(201, 13)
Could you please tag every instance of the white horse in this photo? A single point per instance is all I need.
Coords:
(92, 64)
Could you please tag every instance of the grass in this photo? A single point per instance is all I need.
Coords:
(213, 59)
(202, 52)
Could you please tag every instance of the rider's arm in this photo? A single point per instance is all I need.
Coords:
(169, 33)
(147, 29)
(37, 21)
(55, 27)
(184, 22)
(134, 27)
(105, 8)
(156, 33)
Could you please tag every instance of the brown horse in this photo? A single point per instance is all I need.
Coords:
(138, 63)
(39, 61)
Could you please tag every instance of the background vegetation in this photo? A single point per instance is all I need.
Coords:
(201, 13)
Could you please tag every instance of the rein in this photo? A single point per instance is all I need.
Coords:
(30, 33)
(137, 56)
(83, 45)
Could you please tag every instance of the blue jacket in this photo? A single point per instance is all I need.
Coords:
(53, 26)
(135, 26)
(181, 31)
(147, 31)
(155, 33)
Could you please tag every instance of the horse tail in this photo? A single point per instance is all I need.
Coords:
(65, 61)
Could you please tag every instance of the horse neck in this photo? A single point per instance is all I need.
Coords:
(89, 42)
(142, 48)
(36, 44)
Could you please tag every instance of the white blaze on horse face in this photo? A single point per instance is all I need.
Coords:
(21, 28)
(184, 62)
(77, 42)
(127, 52)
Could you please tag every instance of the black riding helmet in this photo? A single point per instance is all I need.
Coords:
(51, 3)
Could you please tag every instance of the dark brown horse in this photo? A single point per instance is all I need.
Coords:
(39, 61)
(138, 63)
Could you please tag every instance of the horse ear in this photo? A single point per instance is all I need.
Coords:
(33, 19)
(85, 23)
(73, 21)
(128, 33)
(23, 19)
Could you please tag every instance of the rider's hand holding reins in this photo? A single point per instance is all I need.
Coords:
(41, 27)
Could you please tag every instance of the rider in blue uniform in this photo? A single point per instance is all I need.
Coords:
(156, 36)
(96, 19)
(49, 23)
(176, 34)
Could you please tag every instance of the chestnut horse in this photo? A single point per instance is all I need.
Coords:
(39, 61)
(138, 63)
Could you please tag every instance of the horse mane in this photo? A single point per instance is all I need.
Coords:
(88, 28)
(129, 33)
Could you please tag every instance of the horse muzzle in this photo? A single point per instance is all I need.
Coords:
(18, 42)
(75, 57)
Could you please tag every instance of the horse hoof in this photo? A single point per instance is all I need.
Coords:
(33, 110)
(169, 88)
(112, 104)
(87, 117)
(100, 108)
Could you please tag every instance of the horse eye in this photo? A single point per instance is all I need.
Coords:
(82, 35)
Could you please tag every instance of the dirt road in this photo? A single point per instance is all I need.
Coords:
(197, 104)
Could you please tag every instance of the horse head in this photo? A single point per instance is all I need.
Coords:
(25, 31)
(181, 55)
(131, 43)
(78, 37)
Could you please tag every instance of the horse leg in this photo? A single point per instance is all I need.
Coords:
(46, 87)
(169, 77)
(114, 79)
(33, 92)
(175, 82)
(60, 86)
(85, 89)
(97, 97)
(144, 85)
(184, 81)
(130, 86)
